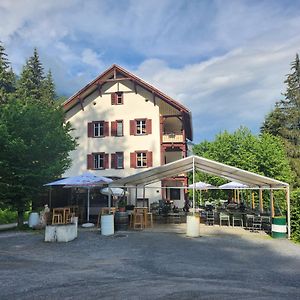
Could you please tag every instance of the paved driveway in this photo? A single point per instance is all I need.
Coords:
(148, 265)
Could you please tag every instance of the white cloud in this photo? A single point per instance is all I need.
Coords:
(91, 58)
(226, 60)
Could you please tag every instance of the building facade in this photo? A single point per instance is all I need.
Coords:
(123, 125)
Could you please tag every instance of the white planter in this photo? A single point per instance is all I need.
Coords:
(193, 226)
(107, 225)
(60, 233)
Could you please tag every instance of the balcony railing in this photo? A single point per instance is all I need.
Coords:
(172, 138)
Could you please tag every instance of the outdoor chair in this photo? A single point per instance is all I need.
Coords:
(138, 221)
(224, 217)
(256, 223)
(57, 218)
(249, 221)
(210, 217)
(237, 218)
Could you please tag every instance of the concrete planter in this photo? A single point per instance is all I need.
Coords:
(60, 233)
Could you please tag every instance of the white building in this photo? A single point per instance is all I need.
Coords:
(123, 126)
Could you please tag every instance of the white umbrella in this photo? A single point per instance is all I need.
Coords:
(200, 185)
(113, 191)
(86, 180)
(233, 185)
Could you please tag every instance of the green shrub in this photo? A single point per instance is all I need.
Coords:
(7, 216)
(295, 215)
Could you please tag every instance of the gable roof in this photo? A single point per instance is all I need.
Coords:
(116, 73)
(202, 164)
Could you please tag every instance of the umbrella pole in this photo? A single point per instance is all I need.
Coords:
(194, 185)
(88, 206)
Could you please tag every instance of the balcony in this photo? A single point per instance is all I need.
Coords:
(172, 138)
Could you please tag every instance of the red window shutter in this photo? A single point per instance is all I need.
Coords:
(113, 128)
(149, 159)
(132, 160)
(149, 126)
(113, 161)
(106, 165)
(90, 129)
(113, 99)
(90, 161)
(132, 127)
(106, 128)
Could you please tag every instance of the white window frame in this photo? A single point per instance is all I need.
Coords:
(119, 98)
(98, 129)
(141, 127)
(99, 161)
(141, 159)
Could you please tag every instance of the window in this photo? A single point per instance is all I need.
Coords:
(98, 161)
(174, 194)
(140, 127)
(119, 128)
(141, 159)
(98, 129)
(119, 160)
(117, 98)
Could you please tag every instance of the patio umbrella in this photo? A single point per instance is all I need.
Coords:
(113, 191)
(200, 185)
(233, 185)
(86, 180)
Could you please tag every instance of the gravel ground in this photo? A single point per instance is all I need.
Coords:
(148, 265)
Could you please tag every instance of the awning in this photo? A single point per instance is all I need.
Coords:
(201, 164)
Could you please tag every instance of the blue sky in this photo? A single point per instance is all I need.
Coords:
(225, 60)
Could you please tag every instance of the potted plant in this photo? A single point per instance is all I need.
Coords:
(121, 205)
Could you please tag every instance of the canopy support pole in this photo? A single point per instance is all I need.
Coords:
(261, 206)
(272, 204)
(194, 185)
(88, 206)
(288, 212)
(253, 202)
(144, 191)
(136, 190)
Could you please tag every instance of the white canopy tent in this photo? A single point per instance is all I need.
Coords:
(193, 163)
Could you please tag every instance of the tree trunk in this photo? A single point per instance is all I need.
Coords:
(20, 218)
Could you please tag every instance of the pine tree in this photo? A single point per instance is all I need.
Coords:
(30, 84)
(7, 77)
(284, 120)
(49, 89)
